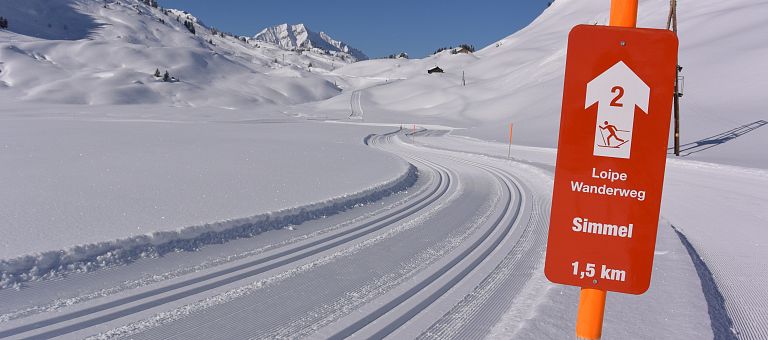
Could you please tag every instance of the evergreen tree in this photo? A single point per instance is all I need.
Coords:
(157, 73)
(442, 49)
(167, 76)
(190, 26)
(468, 47)
(3, 23)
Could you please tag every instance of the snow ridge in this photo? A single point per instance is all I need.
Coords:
(299, 37)
(87, 257)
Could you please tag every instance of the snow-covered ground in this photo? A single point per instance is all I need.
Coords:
(73, 183)
(329, 292)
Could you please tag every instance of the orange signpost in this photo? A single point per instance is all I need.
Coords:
(611, 158)
(623, 13)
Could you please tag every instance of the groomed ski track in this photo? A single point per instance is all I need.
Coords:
(447, 259)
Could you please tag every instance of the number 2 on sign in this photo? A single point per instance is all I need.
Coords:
(615, 101)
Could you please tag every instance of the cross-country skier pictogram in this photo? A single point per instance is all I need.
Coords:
(612, 133)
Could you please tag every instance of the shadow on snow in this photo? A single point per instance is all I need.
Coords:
(713, 141)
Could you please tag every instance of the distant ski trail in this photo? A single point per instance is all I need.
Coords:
(360, 102)
(356, 104)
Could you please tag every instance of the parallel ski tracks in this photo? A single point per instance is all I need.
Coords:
(392, 313)
(423, 302)
(115, 309)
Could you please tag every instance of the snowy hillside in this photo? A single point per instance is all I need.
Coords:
(86, 52)
(299, 37)
(519, 79)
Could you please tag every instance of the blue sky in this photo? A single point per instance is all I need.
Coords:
(378, 28)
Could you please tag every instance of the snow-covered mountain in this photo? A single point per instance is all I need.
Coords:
(102, 53)
(299, 37)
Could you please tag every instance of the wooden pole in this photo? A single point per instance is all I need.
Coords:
(671, 12)
(677, 111)
(589, 320)
(672, 23)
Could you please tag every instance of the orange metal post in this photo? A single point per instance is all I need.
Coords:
(624, 13)
(589, 321)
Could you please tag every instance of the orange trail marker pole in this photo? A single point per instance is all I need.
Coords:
(509, 151)
(623, 13)
(589, 320)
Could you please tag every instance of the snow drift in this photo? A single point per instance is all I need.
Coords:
(87, 257)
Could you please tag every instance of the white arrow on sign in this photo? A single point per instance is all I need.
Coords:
(617, 91)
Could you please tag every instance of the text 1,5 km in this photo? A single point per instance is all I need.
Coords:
(590, 270)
